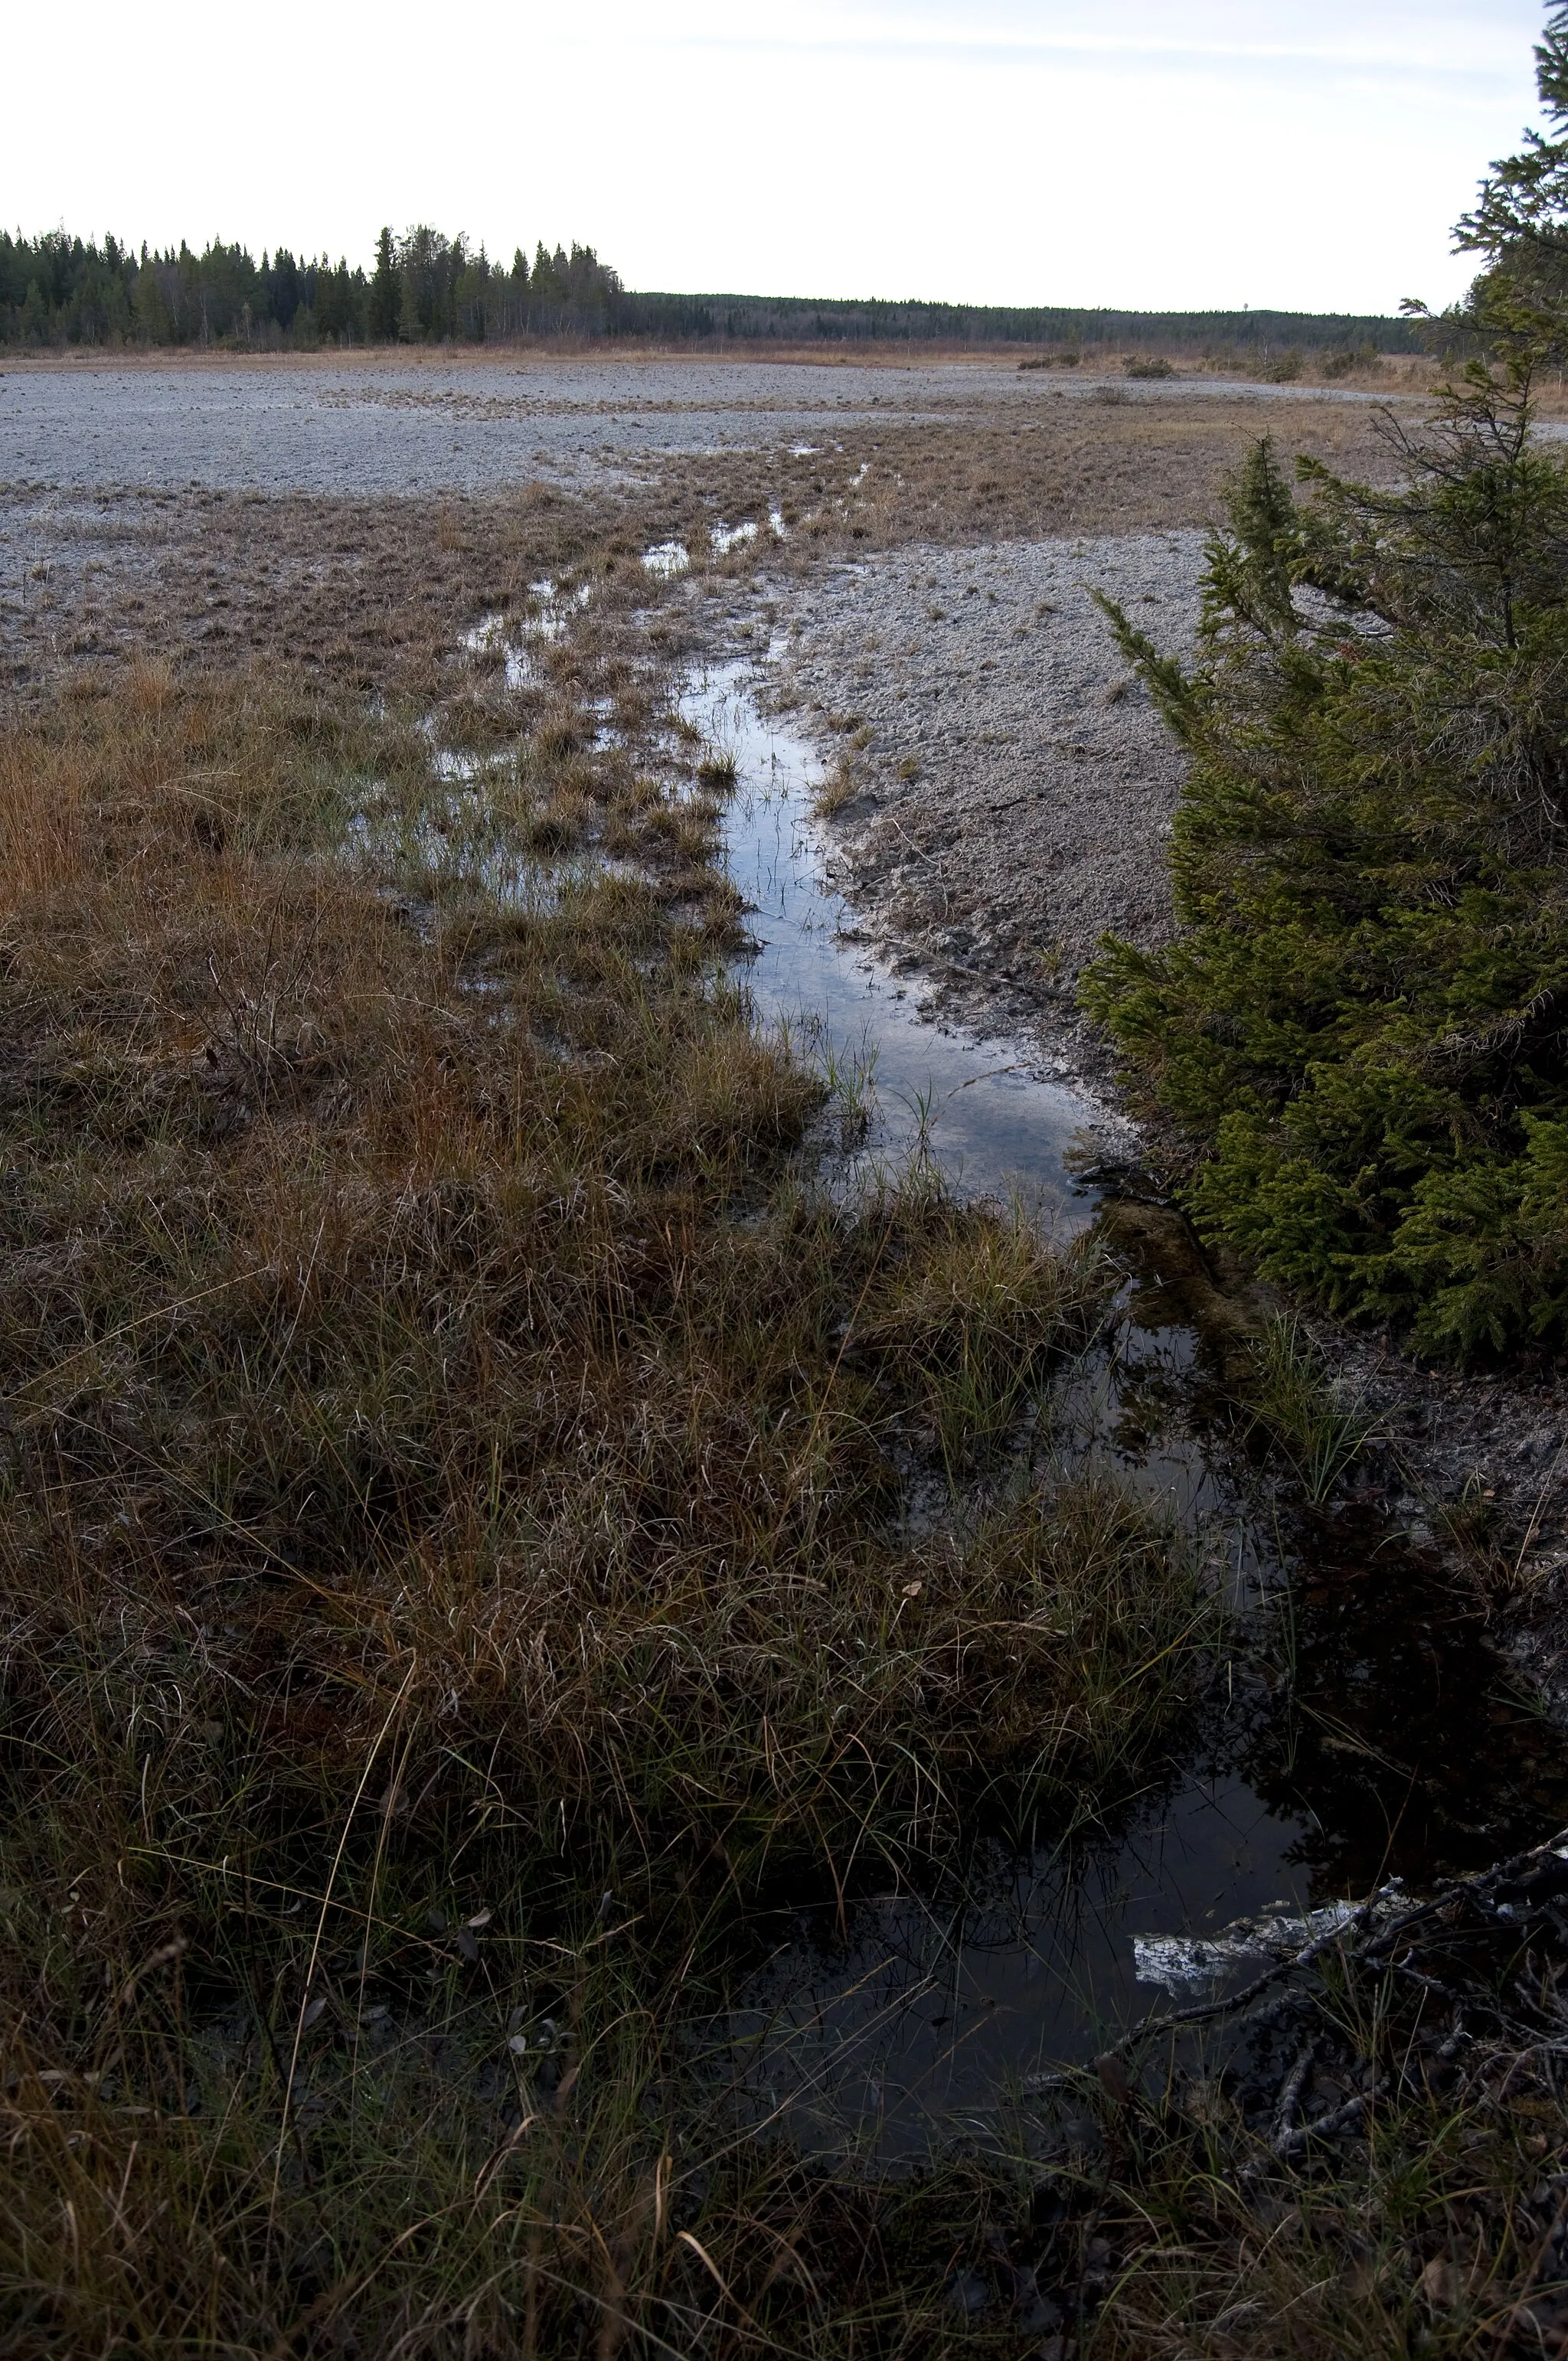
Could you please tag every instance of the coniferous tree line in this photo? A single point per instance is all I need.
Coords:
(424, 288)
(1088, 333)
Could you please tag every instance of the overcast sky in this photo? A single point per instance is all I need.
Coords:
(1156, 153)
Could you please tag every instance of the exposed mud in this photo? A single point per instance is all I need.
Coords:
(1364, 1734)
(354, 425)
(942, 528)
(355, 515)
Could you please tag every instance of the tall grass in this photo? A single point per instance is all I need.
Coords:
(1383, 2176)
(450, 1562)
(1292, 1397)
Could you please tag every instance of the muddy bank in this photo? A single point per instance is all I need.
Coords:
(1005, 789)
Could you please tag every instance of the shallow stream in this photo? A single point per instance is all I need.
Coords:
(1365, 1732)
(984, 1118)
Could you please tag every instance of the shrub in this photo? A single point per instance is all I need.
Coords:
(1362, 1025)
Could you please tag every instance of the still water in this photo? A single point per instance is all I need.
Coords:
(987, 1121)
(1366, 1732)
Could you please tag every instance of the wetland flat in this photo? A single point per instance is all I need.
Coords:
(542, 892)
(363, 425)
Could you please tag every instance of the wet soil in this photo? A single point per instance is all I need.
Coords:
(365, 425)
(1004, 795)
(982, 1113)
(1361, 1731)
(984, 878)
(355, 516)
(976, 886)
(1006, 787)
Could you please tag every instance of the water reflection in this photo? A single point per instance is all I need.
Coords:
(1363, 1732)
(976, 1109)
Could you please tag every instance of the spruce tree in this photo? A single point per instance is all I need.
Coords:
(385, 303)
(1519, 223)
(1362, 1030)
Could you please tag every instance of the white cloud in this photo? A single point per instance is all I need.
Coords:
(1457, 38)
(1187, 153)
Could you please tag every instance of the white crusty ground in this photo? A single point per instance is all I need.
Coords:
(430, 419)
(1040, 812)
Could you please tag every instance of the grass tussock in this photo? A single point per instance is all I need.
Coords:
(578, 2230)
(450, 1521)
(1292, 1397)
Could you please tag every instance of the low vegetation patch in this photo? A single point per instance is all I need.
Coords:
(451, 1563)
(1376, 2165)
(1296, 1401)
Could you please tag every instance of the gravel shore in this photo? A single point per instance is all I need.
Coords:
(1008, 786)
(430, 421)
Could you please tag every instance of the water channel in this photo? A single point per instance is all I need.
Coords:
(1365, 1733)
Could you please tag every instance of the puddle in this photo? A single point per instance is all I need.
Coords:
(1371, 1744)
(926, 2010)
(508, 636)
(1364, 1734)
(457, 769)
(459, 843)
(984, 1118)
(666, 558)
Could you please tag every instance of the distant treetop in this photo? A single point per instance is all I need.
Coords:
(426, 287)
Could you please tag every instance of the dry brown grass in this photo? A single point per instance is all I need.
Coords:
(449, 1459)
(449, 1564)
(318, 1199)
(1071, 464)
(41, 823)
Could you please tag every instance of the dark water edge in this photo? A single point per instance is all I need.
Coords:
(1361, 1730)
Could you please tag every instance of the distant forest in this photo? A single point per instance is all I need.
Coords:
(424, 289)
(429, 289)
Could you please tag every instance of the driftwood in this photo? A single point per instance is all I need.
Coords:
(1389, 1927)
